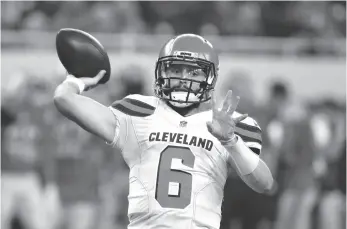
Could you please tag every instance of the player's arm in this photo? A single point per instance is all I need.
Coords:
(86, 112)
(241, 137)
(249, 166)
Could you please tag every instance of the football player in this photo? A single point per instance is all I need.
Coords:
(178, 144)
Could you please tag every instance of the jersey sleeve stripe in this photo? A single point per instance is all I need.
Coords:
(246, 138)
(130, 109)
(248, 127)
(249, 134)
(136, 108)
(139, 104)
(253, 144)
(255, 150)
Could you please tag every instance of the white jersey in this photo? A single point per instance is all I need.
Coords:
(177, 168)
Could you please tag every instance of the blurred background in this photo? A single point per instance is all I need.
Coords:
(287, 61)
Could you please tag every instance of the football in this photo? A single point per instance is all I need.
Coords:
(81, 54)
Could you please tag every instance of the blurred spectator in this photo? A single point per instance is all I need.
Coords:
(342, 180)
(129, 81)
(317, 19)
(250, 19)
(279, 19)
(12, 13)
(227, 13)
(209, 29)
(342, 173)
(337, 11)
(164, 28)
(41, 92)
(269, 119)
(185, 17)
(37, 20)
(73, 15)
(240, 82)
(328, 127)
(78, 161)
(22, 192)
(6, 120)
(289, 132)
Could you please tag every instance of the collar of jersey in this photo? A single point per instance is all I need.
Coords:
(196, 119)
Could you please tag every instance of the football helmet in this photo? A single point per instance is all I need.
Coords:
(187, 50)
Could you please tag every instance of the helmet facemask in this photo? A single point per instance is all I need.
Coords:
(193, 91)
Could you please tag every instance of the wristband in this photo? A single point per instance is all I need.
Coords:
(79, 83)
(230, 142)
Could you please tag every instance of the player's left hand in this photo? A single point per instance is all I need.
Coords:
(223, 123)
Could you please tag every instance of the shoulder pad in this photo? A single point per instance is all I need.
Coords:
(136, 105)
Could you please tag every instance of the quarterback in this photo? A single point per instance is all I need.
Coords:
(178, 144)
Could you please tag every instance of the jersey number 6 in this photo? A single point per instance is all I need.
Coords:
(174, 186)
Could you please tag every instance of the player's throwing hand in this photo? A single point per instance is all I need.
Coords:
(87, 83)
(223, 123)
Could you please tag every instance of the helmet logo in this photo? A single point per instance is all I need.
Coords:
(185, 53)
